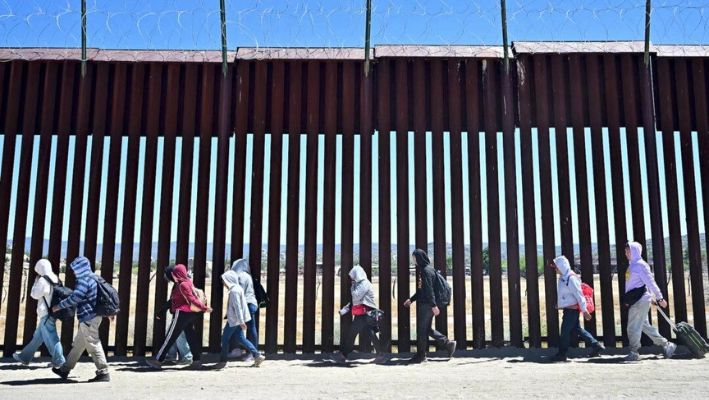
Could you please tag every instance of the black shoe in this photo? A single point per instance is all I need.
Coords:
(417, 359)
(597, 349)
(450, 347)
(558, 358)
(101, 378)
(62, 374)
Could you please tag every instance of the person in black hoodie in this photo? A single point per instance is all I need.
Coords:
(426, 308)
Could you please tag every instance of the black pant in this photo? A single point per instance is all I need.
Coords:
(424, 319)
(359, 325)
(182, 321)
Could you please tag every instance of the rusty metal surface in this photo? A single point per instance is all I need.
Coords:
(168, 97)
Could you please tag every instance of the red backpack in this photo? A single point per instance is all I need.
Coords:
(587, 292)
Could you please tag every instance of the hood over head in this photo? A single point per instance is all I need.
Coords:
(357, 273)
(230, 278)
(81, 267)
(636, 251)
(179, 273)
(241, 265)
(421, 257)
(562, 263)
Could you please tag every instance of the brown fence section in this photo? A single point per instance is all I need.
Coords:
(559, 114)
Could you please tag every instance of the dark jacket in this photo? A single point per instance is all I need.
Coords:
(425, 294)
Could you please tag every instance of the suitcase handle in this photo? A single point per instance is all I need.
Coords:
(669, 321)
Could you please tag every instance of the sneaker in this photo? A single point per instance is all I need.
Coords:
(17, 358)
(558, 358)
(196, 364)
(339, 358)
(101, 378)
(153, 363)
(184, 361)
(236, 353)
(258, 360)
(61, 373)
(381, 359)
(417, 359)
(247, 358)
(220, 365)
(632, 356)
(669, 349)
(597, 348)
(450, 348)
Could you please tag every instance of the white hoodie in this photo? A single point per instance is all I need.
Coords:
(568, 287)
(41, 289)
(243, 270)
(237, 308)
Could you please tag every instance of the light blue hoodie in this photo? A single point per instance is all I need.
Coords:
(243, 271)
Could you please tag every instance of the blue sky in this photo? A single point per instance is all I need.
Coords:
(195, 25)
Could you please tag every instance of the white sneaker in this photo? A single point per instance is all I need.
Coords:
(632, 356)
(17, 358)
(669, 349)
(247, 358)
(258, 360)
(236, 353)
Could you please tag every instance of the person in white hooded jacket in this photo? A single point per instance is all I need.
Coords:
(46, 332)
(237, 317)
(570, 298)
(639, 278)
(362, 302)
(243, 271)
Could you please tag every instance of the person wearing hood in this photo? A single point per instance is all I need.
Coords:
(570, 298)
(426, 308)
(46, 331)
(243, 272)
(362, 302)
(639, 279)
(180, 352)
(186, 307)
(84, 299)
(238, 316)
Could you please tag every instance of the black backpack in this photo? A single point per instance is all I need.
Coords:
(442, 289)
(261, 295)
(107, 302)
(59, 293)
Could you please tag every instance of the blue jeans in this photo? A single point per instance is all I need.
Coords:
(46, 332)
(570, 324)
(231, 331)
(251, 326)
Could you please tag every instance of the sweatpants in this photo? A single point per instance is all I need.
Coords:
(359, 325)
(182, 321)
(424, 319)
(87, 339)
(638, 324)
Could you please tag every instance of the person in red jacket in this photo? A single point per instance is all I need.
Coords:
(186, 307)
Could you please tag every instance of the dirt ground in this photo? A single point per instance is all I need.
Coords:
(491, 373)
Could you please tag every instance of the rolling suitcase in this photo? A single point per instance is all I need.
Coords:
(688, 336)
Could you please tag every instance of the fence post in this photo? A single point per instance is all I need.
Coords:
(83, 38)
(367, 34)
(222, 14)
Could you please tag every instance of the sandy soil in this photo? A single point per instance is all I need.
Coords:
(499, 374)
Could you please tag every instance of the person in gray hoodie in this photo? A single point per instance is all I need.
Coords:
(243, 271)
(638, 277)
(46, 332)
(570, 298)
(362, 302)
(238, 317)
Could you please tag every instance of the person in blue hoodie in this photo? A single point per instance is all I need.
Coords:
(238, 316)
(87, 338)
(243, 272)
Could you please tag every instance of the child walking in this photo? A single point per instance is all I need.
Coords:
(570, 298)
(238, 316)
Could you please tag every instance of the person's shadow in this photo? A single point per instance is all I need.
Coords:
(41, 381)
